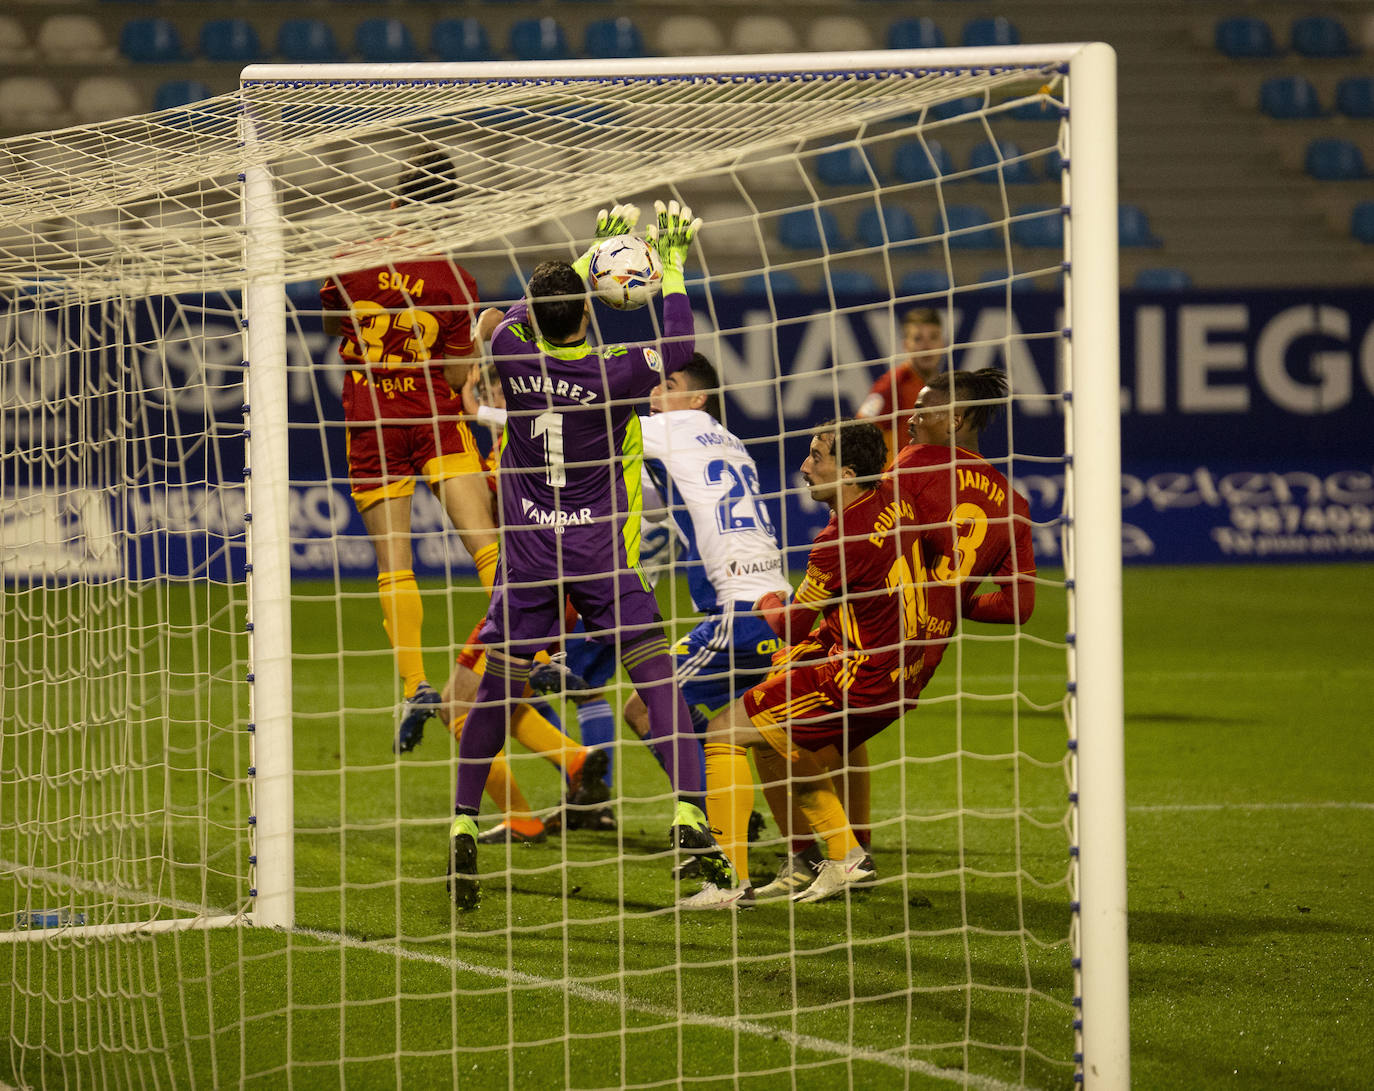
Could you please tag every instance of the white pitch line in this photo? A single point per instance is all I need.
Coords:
(718, 1022)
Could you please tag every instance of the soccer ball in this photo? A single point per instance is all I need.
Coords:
(625, 272)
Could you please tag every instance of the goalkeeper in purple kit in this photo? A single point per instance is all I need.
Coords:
(570, 479)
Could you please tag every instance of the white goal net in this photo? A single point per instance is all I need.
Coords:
(214, 871)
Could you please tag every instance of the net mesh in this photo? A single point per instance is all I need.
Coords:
(834, 202)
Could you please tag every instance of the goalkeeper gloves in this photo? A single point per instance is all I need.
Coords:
(671, 235)
(620, 220)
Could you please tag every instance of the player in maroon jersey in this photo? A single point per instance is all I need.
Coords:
(408, 345)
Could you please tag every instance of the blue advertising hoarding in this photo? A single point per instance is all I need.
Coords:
(1245, 421)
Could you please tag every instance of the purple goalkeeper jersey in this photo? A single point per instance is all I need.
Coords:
(570, 467)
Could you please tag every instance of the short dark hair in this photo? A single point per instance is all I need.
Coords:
(859, 446)
(702, 375)
(923, 316)
(961, 387)
(558, 299)
(431, 178)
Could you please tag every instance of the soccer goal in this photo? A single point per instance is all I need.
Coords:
(213, 869)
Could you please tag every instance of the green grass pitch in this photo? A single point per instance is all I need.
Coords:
(1251, 875)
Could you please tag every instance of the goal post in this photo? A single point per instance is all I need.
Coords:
(177, 258)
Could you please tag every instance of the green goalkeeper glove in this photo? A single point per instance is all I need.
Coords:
(620, 220)
(671, 235)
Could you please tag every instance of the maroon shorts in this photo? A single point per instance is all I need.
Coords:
(384, 459)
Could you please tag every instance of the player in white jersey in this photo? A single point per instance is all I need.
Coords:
(707, 481)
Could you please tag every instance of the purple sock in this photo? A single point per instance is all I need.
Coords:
(484, 730)
(650, 668)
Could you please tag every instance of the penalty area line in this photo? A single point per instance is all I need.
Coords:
(715, 1022)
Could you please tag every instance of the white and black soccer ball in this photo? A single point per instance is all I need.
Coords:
(625, 272)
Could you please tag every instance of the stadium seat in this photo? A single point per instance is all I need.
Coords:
(1320, 36)
(894, 227)
(845, 167)
(73, 39)
(924, 282)
(1289, 97)
(619, 37)
(689, 36)
(998, 30)
(14, 39)
(1042, 229)
(1037, 109)
(538, 40)
(1163, 278)
(1332, 159)
(230, 40)
(763, 34)
(1362, 222)
(921, 32)
(102, 98)
(917, 162)
(177, 93)
(853, 282)
(30, 102)
(1133, 227)
(1245, 36)
(307, 40)
(998, 280)
(460, 40)
(1054, 164)
(384, 41)
(1355, 96)
(838, 33)
(975, 232)
(1004, 158)
(512, 289)
(776, 281)
(954, 107)
(151, 41)
(803, 229)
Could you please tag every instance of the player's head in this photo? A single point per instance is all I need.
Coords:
(956, 405)
(694, 386)
(923, 340)
(429, 178)
(558, 302)
(843, 454)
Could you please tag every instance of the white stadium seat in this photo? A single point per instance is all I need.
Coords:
(836, 33)
(14, 42)
(101, 98)
(30, 102)
(763, 34)
(690, 36)
(73, 39)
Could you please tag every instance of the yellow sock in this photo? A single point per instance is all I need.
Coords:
(402, 613)
(485, 559)
(815, 791)
(729, 800)
(504, 791)
(537, 734)
(857, 797)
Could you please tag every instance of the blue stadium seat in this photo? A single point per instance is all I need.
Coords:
(512, 289)
(1290, 97)
(995, 31)
(1133, 227)
(845, 167)
(1362, 222)
(973, 224)
(1332, 159)
(1054, 164)
(384, 41)
(924, 282)
(998, 280)
(151, 41)
(917, 162)
(853, 282)
(1245, 36)
(1320, 36)
(460, 40)
(778, 281)
(986, 159)
(307, 40)
(1043, 229)
(895, 227)
(1036, 110)
(954, 107)
(230, 40)
(538, 40)
(175, 93)
(803, 229)
(619, 37)
(918, 33)
(1355, 96)
(1163, 278)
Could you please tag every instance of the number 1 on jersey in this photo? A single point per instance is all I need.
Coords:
(550, 426)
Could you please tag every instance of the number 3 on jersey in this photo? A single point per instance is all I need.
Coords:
(970, 523)
(420, 328)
